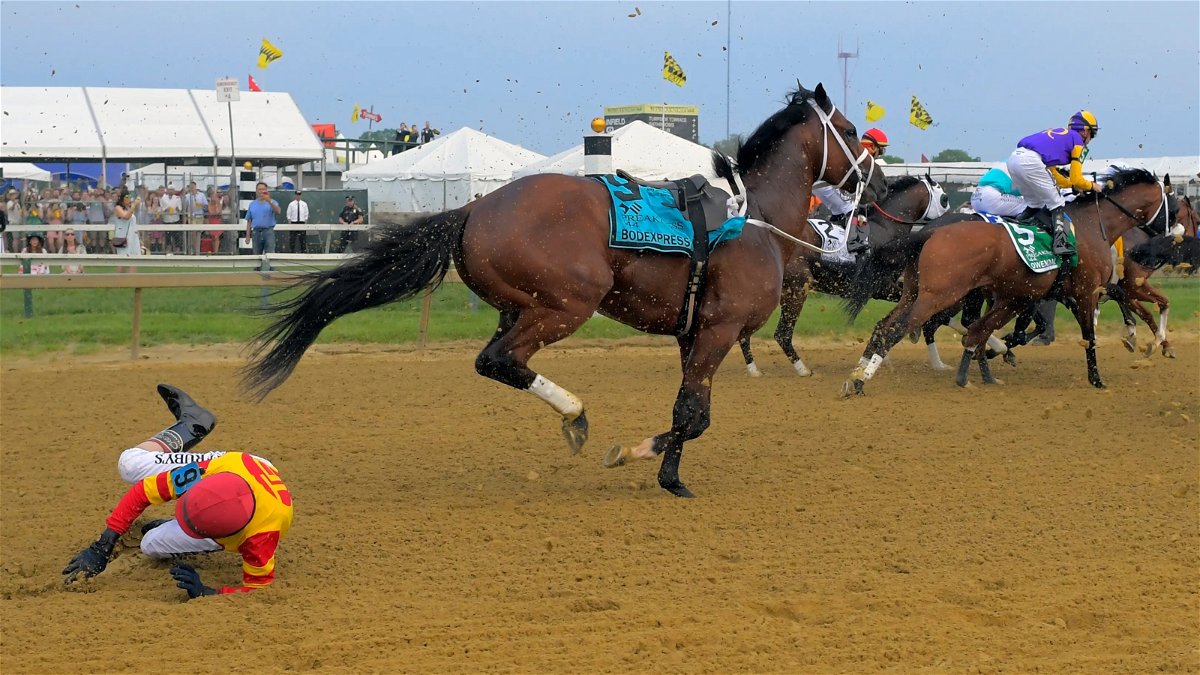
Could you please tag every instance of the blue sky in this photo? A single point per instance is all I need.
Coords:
(534, 73)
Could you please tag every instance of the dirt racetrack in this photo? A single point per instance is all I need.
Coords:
(442, 527)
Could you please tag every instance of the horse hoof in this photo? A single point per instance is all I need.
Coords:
(852, 388)
(616, 456)
(1168, 352)
(1010, 358)
(1130, 344)
(992, 380)
(939, 366)
(801, 369)
(677, 488)
(961, 381)
(913, 337)
(575, 429)
(752, 370)
(1099, 384)
(1149, 350)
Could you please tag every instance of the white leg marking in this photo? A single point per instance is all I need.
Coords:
(560, 399)
(752, 368)
(801, 369)
(1162, 326)
(957, 326)
(935, 359)
(997, 344)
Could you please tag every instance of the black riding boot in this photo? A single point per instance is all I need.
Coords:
(856, 237)
(193, 422)
(1060, 246)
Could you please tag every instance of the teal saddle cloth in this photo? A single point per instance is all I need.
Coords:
(649, 218)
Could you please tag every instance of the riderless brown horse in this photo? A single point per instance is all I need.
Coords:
(537, 249)
(941, 265)
(911, 201)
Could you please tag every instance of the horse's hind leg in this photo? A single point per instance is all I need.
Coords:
(929, 330)
(751, 366)
(790, 306)
(517, 338)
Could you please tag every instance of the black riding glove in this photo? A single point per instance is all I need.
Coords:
(187, 578)
(92, 560)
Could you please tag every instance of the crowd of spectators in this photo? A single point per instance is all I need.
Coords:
(58, 207)
(62, 208)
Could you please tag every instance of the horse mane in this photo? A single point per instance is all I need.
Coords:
(1119, 180)
(903, 183)
(766, 137)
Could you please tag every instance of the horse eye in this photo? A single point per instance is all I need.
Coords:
(945, 200)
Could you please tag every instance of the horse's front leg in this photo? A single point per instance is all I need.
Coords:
(1084, 310)
(691, 414)
(790, 305)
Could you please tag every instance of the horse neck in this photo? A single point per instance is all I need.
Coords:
(780, 196)
(1115, 223)
(907, 206)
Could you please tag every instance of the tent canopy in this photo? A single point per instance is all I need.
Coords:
(642, 150)
(180, 126)
(461, 155)
(443, 174)
(24, 171)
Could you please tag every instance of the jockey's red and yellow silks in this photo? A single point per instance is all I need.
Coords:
(256, 542)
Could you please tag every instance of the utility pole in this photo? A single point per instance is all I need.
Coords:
(845, 57)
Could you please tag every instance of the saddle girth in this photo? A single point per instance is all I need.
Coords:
(690, 196)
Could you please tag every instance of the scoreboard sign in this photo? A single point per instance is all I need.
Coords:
(681, 120)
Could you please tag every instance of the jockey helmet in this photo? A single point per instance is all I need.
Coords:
(876, 138)
(1084, 120)
(217, 506)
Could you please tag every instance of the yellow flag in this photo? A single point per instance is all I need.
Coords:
(268, 53)
(875, 112)
(671, 70)
(354, 115)
(918, 116)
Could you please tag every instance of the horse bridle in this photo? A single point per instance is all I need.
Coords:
(1162, 209)
(737, 204)
(925, 217)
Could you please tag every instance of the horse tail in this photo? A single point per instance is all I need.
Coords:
(881, 269)
(399, 263)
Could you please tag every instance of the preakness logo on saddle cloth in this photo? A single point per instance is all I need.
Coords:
(1033, 244)
(644, 217)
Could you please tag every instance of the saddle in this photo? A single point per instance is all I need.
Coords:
(712, 199)
(702, 204)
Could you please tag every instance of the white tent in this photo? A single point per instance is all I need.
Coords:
(63, 124)
(24, 171)
(443, 174)
(640, 149)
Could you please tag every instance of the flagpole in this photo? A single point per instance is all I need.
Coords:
(728, 58)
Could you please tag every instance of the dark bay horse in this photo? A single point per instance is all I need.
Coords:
(1143, 256)
(941, 265)
(537, 250)
(911, 201)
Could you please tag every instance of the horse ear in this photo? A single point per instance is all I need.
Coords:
(820, 96)
(929, 176)
(1167, 183)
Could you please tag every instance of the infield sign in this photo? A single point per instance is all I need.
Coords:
(227, 90)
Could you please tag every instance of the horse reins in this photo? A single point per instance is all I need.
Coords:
(1140, 225)
(924, 217)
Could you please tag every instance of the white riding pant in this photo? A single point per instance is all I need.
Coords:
(833, 199)
(166, 540)
(1033, 179)
(987, 199)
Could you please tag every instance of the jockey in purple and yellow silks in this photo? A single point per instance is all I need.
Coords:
(1035, 170)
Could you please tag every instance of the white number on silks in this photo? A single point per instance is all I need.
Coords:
(1025, 236)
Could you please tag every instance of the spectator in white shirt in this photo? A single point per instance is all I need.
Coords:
(195, 206)
(172, 211)
(297, 214)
